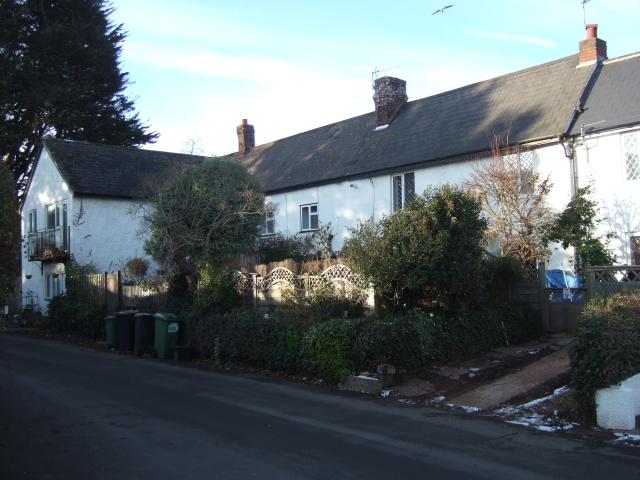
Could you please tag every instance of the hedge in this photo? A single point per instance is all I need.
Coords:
(335, 348)
(76, 316)
(606, 349)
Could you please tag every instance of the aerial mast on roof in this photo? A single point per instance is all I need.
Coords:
(376, 71)
(584, 11)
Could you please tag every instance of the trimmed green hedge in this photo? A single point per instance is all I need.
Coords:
(76, 317)
(335, 348)
(606, 349)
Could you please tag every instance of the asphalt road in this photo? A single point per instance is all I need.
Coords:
(68, 412)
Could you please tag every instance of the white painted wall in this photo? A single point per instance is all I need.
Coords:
(601, 161)
(106, 234)
(343, 203)
(47, 187)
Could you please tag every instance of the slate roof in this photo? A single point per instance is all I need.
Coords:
(614, 99)
(531, 104)
(105, 170)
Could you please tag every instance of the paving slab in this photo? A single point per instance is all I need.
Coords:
(509, 386)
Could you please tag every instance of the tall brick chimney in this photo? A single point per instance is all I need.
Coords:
(592, 48)
(246, 137)
(390, 94)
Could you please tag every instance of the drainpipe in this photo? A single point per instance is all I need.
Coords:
(570, 153)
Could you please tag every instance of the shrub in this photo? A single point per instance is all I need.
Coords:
(430, 250)
(606, 349)
(76, 316)
(323, 302)
(502, 274)
(218, 291)
(334, 348)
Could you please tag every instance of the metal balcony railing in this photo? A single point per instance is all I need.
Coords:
(50, 244)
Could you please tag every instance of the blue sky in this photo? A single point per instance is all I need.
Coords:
(199, 66)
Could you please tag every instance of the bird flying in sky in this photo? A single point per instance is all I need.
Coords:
(442, 9)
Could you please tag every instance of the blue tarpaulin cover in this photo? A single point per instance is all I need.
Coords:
(556, 279)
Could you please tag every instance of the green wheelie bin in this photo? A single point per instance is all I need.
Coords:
(166, 336)
(112, 331)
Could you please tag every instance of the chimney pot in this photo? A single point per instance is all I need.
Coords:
(246, 137)
(390, 94)
(592, 48)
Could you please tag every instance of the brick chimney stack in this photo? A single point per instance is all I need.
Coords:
(592, 48)
(390, 94)
(246, 137)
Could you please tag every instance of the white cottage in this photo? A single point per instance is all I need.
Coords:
(79, 202)
(576, 119)
(563, 114)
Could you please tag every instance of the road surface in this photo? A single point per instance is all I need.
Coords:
(68, 412)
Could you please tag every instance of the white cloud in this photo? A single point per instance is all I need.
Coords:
(516, 38)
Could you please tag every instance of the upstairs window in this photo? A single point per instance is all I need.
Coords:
(524, 163)
(32, 222)
(56, 215)
(309, 217)
(403, 189)
(631, 156)
(268, 226)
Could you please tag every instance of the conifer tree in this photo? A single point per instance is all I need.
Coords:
(60, 75)
(9, 234)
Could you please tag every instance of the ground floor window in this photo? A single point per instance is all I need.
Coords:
(54, 284)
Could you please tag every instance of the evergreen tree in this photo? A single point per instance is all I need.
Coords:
(9, 235)
(60, 76)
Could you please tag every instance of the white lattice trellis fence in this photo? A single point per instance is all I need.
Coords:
(263, 292)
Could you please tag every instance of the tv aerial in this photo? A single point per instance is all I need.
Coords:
(376, 71)
(584, 11)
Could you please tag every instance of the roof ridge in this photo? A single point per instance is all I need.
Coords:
(120, 147)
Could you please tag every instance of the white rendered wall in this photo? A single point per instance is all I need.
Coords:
(46, 187)
(343, 203)
(106, 234)
(601, 161)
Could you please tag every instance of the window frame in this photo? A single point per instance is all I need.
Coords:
(268, 225)
(54, 286)
(309, 215)
(32, 221)
(56, 215)
(625, 161)
(404, 194)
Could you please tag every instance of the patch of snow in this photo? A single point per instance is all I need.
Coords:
(463, 407)
(407, 401)
(627, 438)
(385, 393)
(366, 378)
(556, 392)
(522, 415)
(438, 399)
(474, 369)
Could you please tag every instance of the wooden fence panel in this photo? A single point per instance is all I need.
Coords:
(599, 281)
(564, 316)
